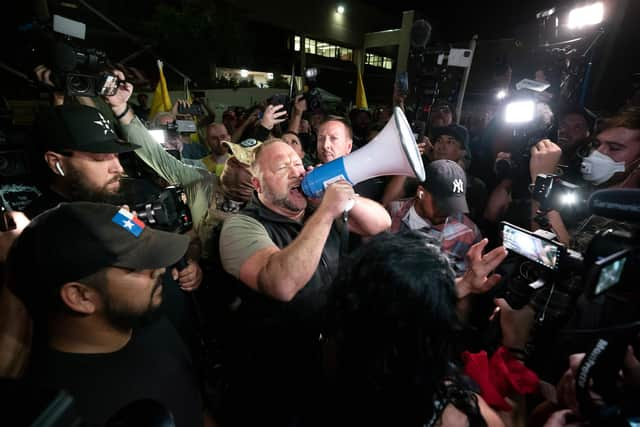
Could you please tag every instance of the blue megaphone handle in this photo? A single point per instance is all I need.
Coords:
(317, 180)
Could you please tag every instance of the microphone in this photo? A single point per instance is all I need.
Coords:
(420, 34)
(621, 204)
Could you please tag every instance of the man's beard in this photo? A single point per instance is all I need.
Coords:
(78, 191)
(284, 202)
(123, 318)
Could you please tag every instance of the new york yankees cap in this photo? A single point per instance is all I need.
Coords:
(447, 182)
(74, 240)
(80, 128)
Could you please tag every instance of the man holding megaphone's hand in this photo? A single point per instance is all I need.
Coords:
(281, 248)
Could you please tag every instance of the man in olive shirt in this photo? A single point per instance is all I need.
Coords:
(286, 257)
(209, 201)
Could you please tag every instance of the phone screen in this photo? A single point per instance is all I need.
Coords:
(403, 82)
(611, 269)
(531, 246)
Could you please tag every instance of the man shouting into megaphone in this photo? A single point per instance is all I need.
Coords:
(288, 254)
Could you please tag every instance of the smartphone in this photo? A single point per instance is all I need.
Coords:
(280, 99)
(194, 109)
(534, 247)
(402, 81)
(607, 272)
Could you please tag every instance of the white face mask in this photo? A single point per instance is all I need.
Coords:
(599, 168)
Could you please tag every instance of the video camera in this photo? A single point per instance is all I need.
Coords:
(167, 211)
(610, 261)
(76, 70)
(528, 120)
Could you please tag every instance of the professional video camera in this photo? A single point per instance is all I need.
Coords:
(550, 262)
(76, 70)
(528, 120)
(167, 211)
(553, 193)
(435, 73)
(567, 38)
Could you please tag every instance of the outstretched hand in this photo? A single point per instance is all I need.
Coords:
(478, 277)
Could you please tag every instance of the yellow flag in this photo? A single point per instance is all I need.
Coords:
(161, 100)
(361, 97)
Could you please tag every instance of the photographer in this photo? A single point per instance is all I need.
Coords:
(614, 164)
(209, 201)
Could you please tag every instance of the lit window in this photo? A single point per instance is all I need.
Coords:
(296, 43)
(310, 46)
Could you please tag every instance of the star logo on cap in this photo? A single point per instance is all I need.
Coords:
(104, 124)
(458, 186)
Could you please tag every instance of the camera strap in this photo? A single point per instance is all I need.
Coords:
(598, 372)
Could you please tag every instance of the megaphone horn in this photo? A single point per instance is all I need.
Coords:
(392, 152)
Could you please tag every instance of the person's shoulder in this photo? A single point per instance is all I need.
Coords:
(239, 222)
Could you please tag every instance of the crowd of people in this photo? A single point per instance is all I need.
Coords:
(380, 303)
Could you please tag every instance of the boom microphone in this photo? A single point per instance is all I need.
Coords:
(621, 204)
(420, 34)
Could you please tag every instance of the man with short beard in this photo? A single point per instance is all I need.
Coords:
(285, 255)
(89, 276)
(81, 150)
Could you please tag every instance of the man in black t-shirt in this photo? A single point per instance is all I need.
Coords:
(89, 276)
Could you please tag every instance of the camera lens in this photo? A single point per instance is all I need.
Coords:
(78, 84)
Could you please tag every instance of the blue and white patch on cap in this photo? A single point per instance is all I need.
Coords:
(129, 222)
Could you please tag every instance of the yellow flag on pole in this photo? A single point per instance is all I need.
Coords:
(161, 100)
(361, 97)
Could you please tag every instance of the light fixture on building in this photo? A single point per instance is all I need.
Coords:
(269, 76)
(340, 9)
(244, 73)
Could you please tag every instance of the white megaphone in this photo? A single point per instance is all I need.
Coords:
(392, 152)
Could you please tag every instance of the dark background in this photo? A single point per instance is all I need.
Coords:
(195, 36)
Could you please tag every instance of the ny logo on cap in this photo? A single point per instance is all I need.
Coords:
(104, 124)
(458, 186)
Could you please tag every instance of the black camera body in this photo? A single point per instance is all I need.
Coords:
(551, 192)
(82, 72)
(168, 211)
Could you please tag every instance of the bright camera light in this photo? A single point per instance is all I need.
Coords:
(158, 135)
(569, 199)
(587, 15)
(520, 111)
(269, 76)
(244, 73)
(502, 94)
(340, 9)
(311, 73)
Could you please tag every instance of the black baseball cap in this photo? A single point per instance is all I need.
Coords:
(447, 182)
(454, 130)
(80, 128)
(75, 240)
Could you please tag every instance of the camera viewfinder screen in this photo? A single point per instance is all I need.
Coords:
(610, 275)
(534, 248)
